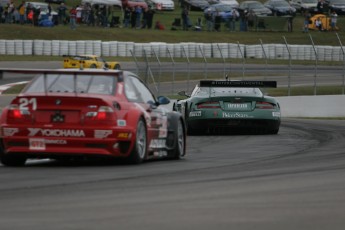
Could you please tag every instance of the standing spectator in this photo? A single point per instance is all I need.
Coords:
(318, 24)
(217, 21)
(79, 10)
(243, 20)
(334, 17)
(209, 20)
(233, 18)
(49, 9)
(28, 9)
(10, 11)
(30, 14)
(133, 18)
(21, 10)
(138, 12)
(103, 15)
(72, 18)
(127, 17)
(185, 18)
(36, 14)
(307, 17)
(1, 11)
(251, 18)
(150, 14)
(321, 6)
(91, 16)
(144, 18)
(62, 13)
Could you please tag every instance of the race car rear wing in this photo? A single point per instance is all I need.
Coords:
(239, 84)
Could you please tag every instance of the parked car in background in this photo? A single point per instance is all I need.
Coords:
(232, 3)
(305, 5)
(134, 3)
(195, 5)
(55, 1)
(337, 6)
(43, 8)
(280, 7)
(256, 7)
(224, 10)
(161, 4)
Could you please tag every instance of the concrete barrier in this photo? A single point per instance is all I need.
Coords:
(312, 106)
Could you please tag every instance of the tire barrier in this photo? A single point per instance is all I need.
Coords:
(176, 50)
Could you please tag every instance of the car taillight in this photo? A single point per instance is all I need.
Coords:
(208, 105)
(264, 105)
(14, 112)
(103, 113)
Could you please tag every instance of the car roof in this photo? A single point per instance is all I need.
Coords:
(81, 55)
(64, 71)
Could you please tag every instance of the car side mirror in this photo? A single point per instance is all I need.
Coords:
(183, 93)
(162, 100)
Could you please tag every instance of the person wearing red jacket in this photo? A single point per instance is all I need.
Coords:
(72, 18)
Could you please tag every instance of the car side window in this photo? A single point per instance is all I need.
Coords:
(131, 92)
(137, 91)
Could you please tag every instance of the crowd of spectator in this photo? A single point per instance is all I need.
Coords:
(91, 15)
(131, 17)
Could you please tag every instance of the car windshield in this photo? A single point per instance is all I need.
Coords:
(337, 2)
(309, 1)
(228, 91)
(67, 83)
(41, 5)
(223, 8)
(255, 5)
(279, 3)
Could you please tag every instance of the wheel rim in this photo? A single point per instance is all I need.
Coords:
(180, 138)
(141, 140)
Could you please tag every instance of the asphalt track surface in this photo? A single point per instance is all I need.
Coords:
(293, 180)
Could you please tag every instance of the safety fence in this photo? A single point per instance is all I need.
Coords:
(177, 50)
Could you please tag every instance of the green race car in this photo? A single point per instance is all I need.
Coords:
(230, 106)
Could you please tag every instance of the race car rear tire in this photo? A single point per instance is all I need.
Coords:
(12, 160)
(139, 151)
(180, 141)
(117, 66)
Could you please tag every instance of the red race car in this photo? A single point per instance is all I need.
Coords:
(68, 113)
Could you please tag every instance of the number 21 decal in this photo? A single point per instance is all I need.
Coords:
(26, 103)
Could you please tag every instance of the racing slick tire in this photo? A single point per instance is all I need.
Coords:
(139, 151)
(179, 149)
(117, 66)
(11, 159)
